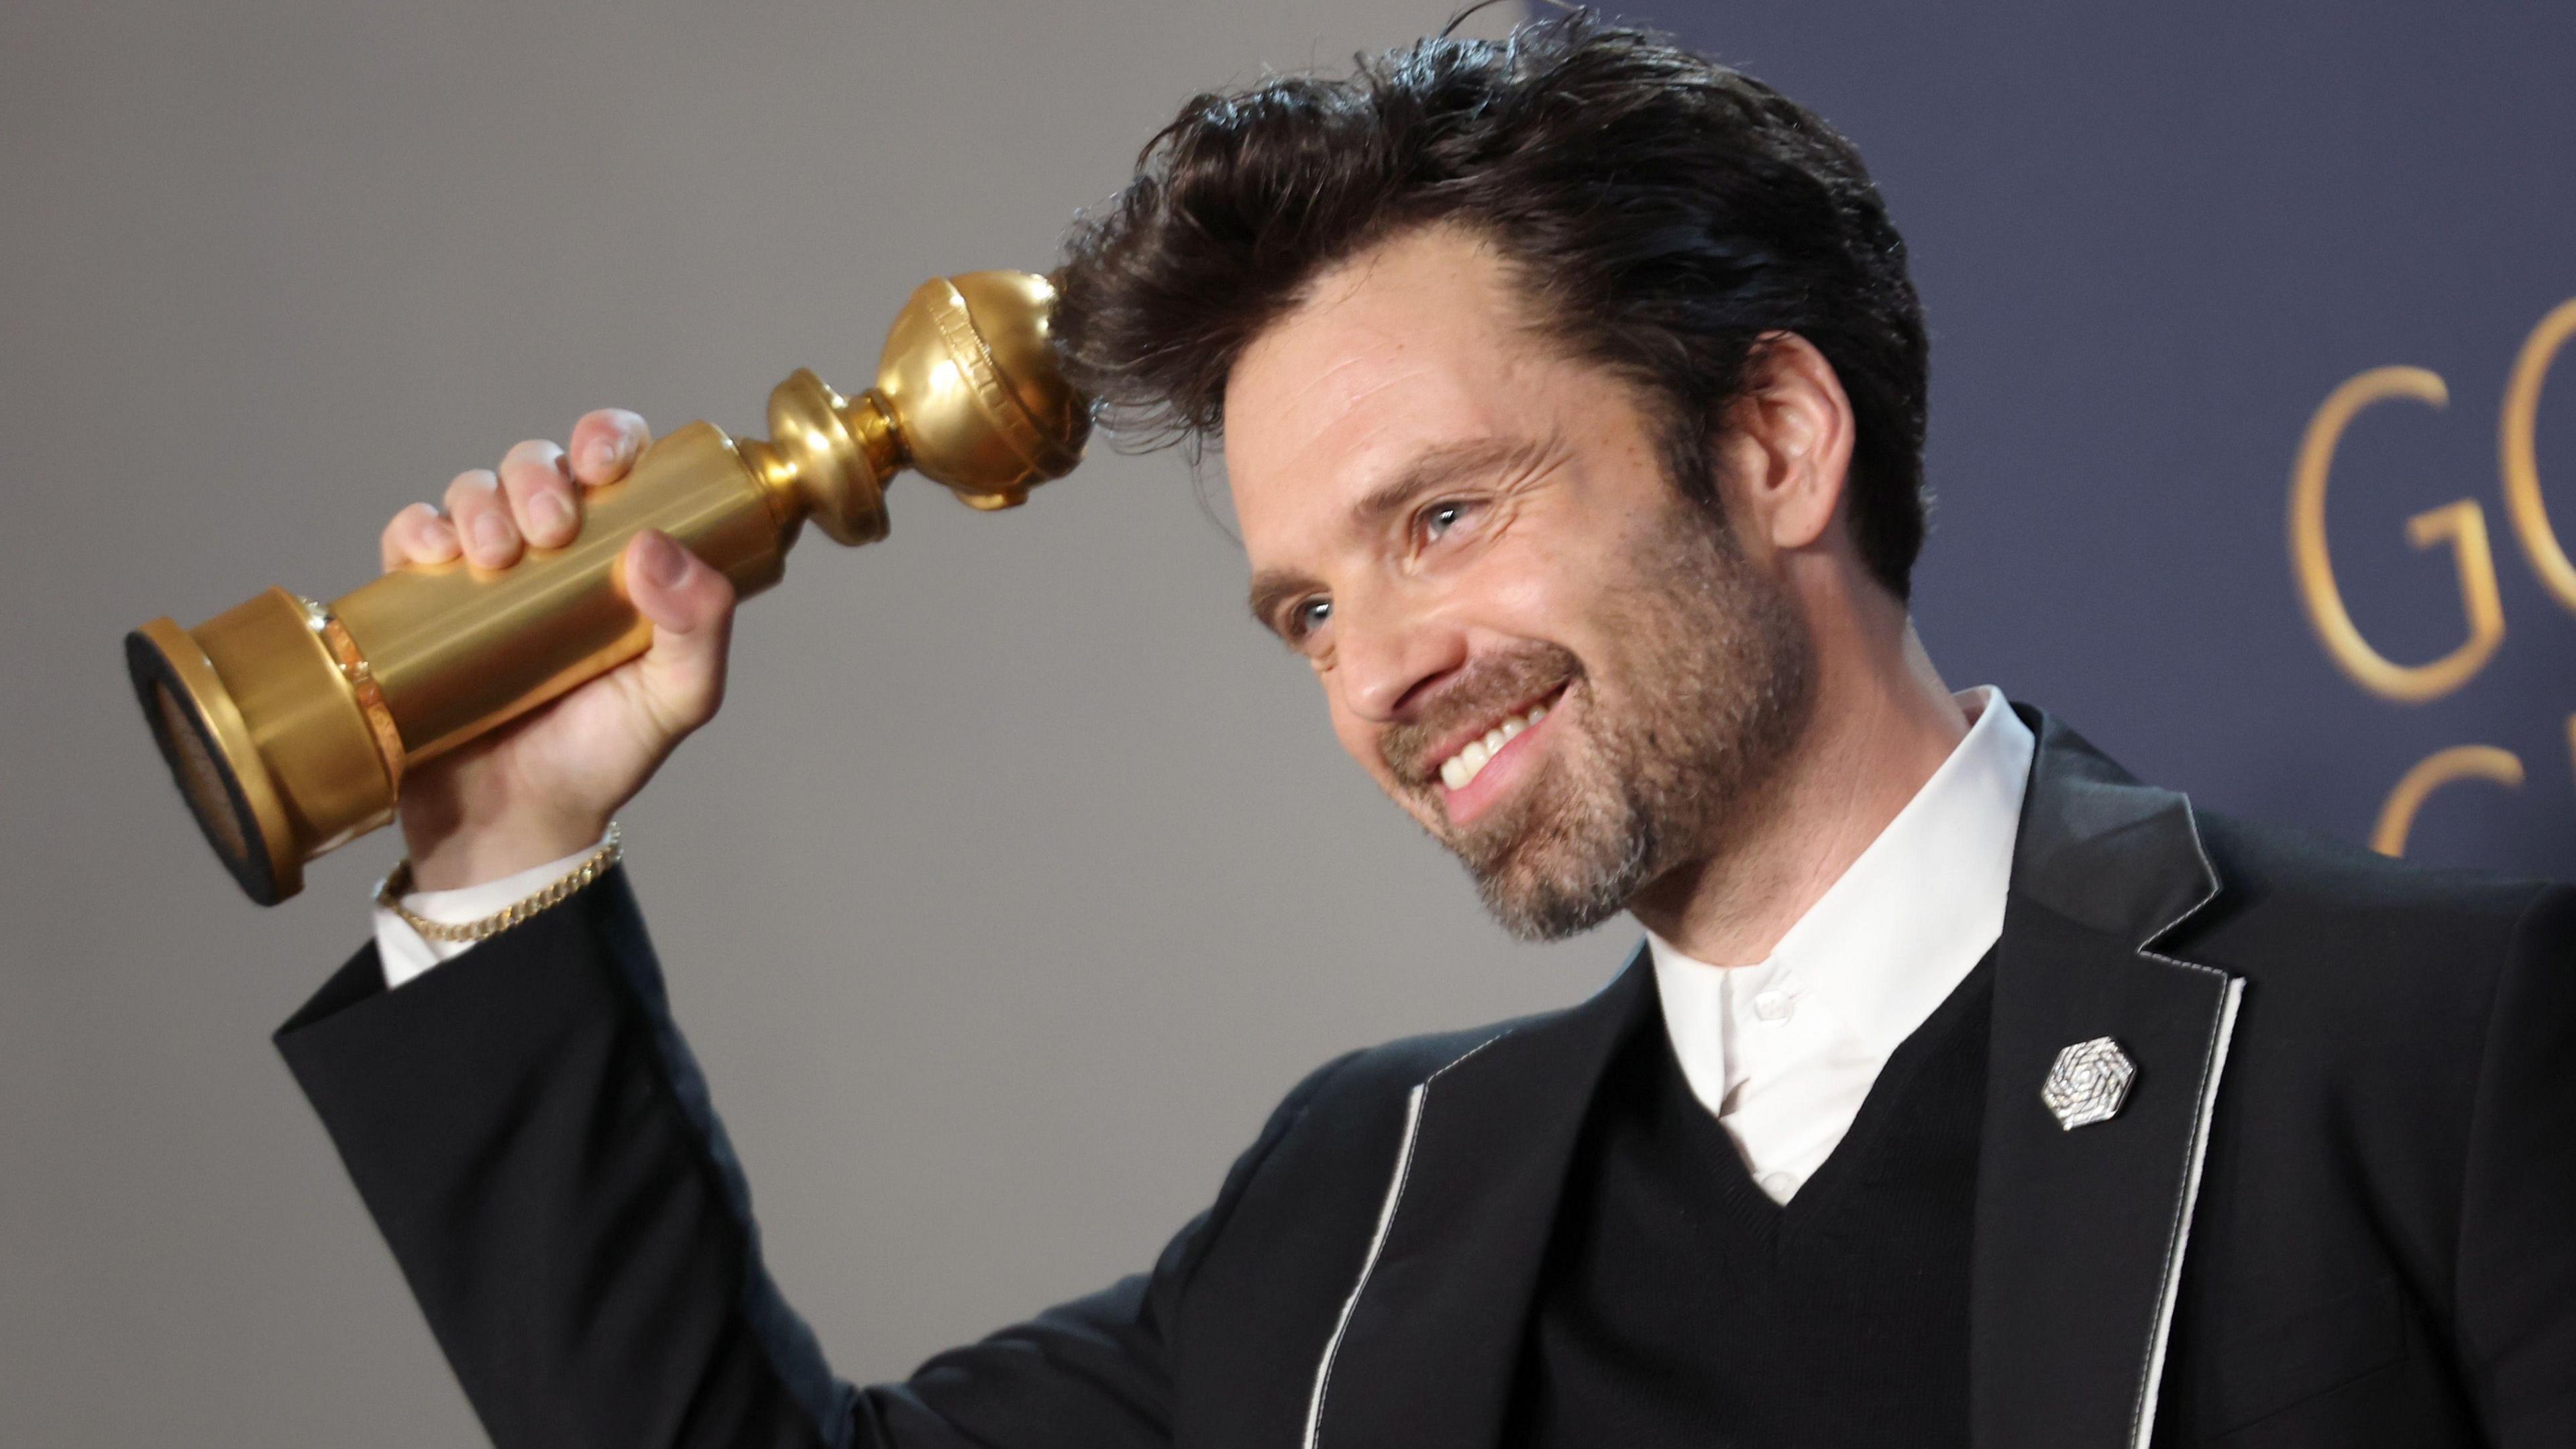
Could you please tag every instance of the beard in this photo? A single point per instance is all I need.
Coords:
(1664, 745)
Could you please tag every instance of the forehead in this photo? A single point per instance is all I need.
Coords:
(1415, 346)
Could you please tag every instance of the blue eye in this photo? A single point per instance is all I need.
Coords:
(1309, 616)
(1439, 518)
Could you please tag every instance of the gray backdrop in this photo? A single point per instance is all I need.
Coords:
(1021, 874)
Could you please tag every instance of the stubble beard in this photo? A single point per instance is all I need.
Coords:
(1700, 707)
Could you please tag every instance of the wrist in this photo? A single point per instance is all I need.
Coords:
(459, 859)
(460, 918)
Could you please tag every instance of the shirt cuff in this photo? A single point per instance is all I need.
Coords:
(406, 953)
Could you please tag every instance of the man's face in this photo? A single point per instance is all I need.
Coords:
(1565, 670)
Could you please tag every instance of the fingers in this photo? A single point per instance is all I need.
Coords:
(544, 506)
(418, 534)
(482, 518)
(489, 519)
(534, 498)
(691, 606)
(604, 444)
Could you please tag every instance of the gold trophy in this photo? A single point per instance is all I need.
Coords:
(289, 723)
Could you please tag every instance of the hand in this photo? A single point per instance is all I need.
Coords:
(545, 785)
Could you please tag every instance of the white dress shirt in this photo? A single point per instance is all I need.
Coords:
(1783, 1051)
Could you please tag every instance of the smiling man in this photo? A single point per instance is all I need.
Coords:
(1596, 689)
(1964, 1091)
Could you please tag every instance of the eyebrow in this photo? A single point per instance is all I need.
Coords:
(1433, 469)
(1272, 588)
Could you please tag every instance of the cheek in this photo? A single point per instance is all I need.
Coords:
(1549, 575)
(1546, 597)
(1539, 600)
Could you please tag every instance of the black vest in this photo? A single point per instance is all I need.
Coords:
(1680, 1306)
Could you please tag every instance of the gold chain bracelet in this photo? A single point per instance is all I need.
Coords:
(390, 892)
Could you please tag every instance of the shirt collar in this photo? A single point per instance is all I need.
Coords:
(1909, 918)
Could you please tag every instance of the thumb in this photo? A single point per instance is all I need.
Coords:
(691, 607)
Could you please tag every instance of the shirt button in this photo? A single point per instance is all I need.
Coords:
(1772, 1006)
(1779, 1186)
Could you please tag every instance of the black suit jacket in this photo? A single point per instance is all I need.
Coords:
(2338, 1207)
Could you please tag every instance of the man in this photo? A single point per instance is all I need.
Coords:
(1966, 1091)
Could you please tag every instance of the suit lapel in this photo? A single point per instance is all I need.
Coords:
(1432, 1332)
(2080, 1234)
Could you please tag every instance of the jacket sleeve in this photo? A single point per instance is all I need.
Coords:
(2517, 1249)
(539, 1150)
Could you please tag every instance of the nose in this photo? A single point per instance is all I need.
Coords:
(1387, 650)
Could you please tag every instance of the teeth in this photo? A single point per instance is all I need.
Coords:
(1469, 762)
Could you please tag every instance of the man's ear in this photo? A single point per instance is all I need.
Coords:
(1788, 444)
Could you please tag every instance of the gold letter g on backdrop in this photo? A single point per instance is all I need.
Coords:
(2521, 454)
(2462, 522)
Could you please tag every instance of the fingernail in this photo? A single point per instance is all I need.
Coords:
(609, 454)
(552, 513)
(664, 562)
(491, 535)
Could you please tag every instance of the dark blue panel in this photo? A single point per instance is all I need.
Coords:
(2150, 245)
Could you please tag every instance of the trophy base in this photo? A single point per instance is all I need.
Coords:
(264, 737)
(201, 735)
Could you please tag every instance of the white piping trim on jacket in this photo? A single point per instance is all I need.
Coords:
(2151, 1377)
(1377, 1241)
(1413, 1105)
(2142, 1424)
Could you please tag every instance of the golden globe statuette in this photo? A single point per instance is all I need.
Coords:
(289, 723)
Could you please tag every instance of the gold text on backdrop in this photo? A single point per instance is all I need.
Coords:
(2462, 523)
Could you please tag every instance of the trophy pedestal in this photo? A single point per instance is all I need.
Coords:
(265, 736)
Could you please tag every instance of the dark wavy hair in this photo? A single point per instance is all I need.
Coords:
(1663, 212)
